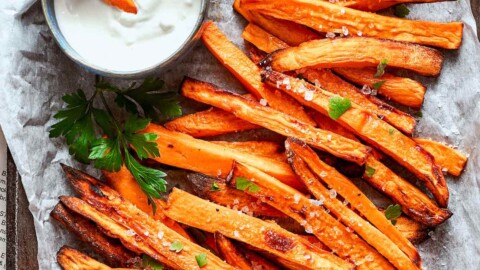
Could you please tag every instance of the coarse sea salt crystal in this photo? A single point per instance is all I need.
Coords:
(263, 102)
(308, 95)
(160, 235)
(130, 232)
(296, 198)
(332, 193)
(330, 35)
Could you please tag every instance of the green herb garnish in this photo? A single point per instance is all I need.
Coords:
(201, 259)
(93, 134)
(338, 106)
(243, 184)
(369, 171)
(176, 246)
(401, 11)
(393, 212)
(419, 114)
(381, 68)
(215, 187)
(378, 85)
(149, 263)
(391, 131)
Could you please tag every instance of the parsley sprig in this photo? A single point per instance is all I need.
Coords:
(94, 134)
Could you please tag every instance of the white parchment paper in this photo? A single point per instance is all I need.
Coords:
(34, 74)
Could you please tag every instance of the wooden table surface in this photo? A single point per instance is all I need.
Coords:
(20, 230)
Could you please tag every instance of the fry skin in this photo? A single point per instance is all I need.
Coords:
(230, 253)
(326, 17)
(357, 52)
(263, 235)
(267, 43)
(125, 5)
(72, 259)
(374, 131)
(264, 149)
(447, 158)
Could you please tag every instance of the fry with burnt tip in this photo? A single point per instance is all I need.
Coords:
(334, 84)
(125, 5)
(183, 151)
(449, 159)
(327, 17)
(229, 252)
(292, 33)
(357, 52)
(198, 213)
(173, 248)
(72, 259)
(274, 120)
(371, 129)
(414, 231)
(343, 242)
(209, 123)
(268, 43)
(387, 239)
(248, 73)
(404, 91)
(220, 193)
(414, 202)
(114, 253)
(125, 184)
(259, 148)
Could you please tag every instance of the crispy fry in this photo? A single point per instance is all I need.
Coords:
(248, 73)
(449, 159)
(376, 132)
(357, 52)
(269, 43)
(126, 185)
(334, 84)
(313, 217)
(259, 262)
(209, 123)
(264, 149)
(72, 259)
(327, 17)
(186, 208)
(183, 151)
(125, 5)
(404, 91)
(113, 252)
(375, 5)
(292, 33)
(230, 253)
(415, 232)
(274, 120)
(415, 203)
(387, 239)
(231, 197)
(144, 228)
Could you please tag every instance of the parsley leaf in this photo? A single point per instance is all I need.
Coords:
(393, 212)
(419, 114)
(401, 11)
(338, 106)
(244, 184)
(391, 131)
(149, 263)
(215, 187)
(381, 68)
(201, 259)
(369, 171)
(378, 85)
(176, 246)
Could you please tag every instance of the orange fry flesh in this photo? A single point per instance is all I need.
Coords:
(230, 252)
(125, 5)
(447, 158)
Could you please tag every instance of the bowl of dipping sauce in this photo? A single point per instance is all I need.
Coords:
(113, 43)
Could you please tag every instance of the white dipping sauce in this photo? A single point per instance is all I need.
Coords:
(112, 39)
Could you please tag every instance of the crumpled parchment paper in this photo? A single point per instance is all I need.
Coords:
(34, 74)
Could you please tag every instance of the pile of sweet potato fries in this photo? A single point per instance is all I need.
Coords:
(308, 56)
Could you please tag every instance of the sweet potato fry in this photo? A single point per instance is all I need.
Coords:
(183, 151)
(231, 197)
(292, 33)
(404, 91)
(415, 232)
(125, 5)
(269, 43)
(264, 149)
(259, 262)
(229, 252)
(313, 217)
(274, 120)
(113, 252)
(415, 204)
(248, 73)
(326, 17)
(374, 131)
(209, 123)
(336, 85)
(449, 159)
(186, 208)
(72, 259)
(357, 52)
(369, 5)
(126, 185)
(387, 239)
(142, 227)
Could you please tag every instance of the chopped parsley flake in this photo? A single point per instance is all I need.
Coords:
(215, 187)
(201, 259)
(401, 11)
(369, 171)
(393, 212)
(381, 68)
(244, 184)
(338, 106)
(176, 246)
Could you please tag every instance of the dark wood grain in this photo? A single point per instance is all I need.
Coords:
(476, 12)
